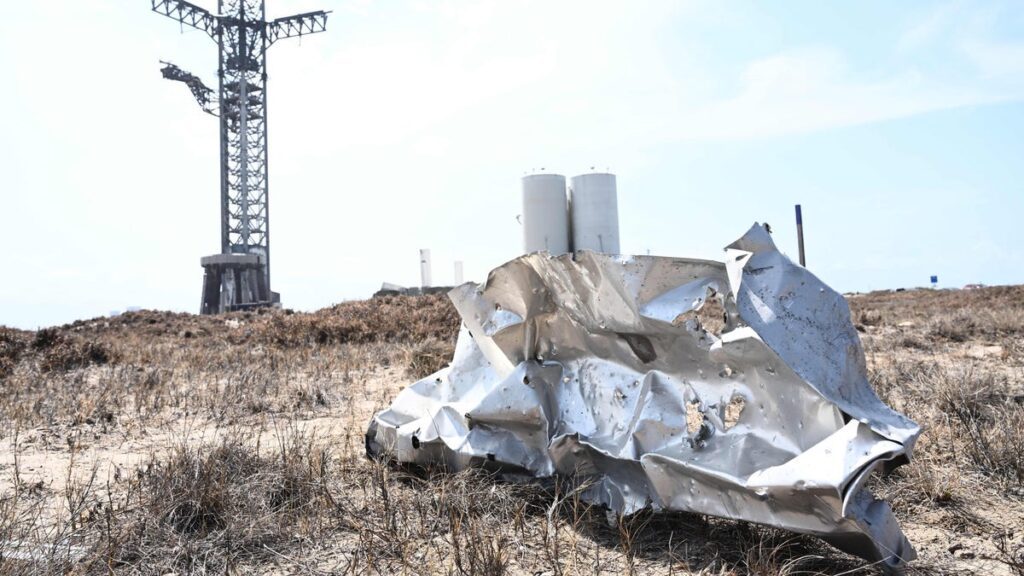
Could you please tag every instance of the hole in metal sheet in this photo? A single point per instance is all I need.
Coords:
(699, 428)
(694, 417)
(733, 410)
(709, 314)
(712, 316)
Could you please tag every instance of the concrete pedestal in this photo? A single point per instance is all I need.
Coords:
(235, 282)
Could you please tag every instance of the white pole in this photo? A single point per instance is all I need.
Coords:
(458, 272)
(425, 268)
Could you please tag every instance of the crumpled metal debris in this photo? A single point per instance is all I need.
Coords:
(599, 365)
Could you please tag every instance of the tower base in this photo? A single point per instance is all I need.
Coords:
(235, 282)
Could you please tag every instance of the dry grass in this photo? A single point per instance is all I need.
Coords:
(954, 362)
(248, 430)
(162, 365)
(207, 509)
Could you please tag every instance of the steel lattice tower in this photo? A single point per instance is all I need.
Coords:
(239, 276)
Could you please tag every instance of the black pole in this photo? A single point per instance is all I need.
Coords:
(800, 235)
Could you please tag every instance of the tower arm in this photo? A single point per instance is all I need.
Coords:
(204, 94)
(297, 25)
(188, 13)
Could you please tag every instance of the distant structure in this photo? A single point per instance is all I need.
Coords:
(457, 273)
(800, 234)
(239, 276)
(545, 214)
(595, 213)
(425, 279)
(584, 217)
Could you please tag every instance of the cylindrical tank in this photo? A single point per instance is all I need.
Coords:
(595, 213)
(545, 214)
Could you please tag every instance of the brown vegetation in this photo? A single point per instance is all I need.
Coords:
(159, 443)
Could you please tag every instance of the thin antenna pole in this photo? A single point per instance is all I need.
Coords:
(800, 235)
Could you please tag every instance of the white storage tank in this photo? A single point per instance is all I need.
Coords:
(595, 213)
(545, 214)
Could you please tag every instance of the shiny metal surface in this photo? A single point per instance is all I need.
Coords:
(600, 366)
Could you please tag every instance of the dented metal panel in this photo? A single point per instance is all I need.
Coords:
(601, 365)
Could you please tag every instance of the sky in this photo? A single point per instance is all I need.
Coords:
(898, 126)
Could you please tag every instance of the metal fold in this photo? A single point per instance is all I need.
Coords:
(611, 367)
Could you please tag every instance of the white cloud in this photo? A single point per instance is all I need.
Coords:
(931, 27)
(810, 90)
(1000, 61)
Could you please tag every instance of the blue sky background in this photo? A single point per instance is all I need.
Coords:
(898, 127)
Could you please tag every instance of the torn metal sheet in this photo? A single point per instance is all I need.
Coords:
(600, 365)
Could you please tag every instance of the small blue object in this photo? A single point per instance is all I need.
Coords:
(935, 279)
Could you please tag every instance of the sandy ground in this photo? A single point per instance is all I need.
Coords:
(46, 457)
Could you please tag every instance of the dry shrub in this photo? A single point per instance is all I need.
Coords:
(970, 324)
(12, 345)
(427, 357)
(991, 424)
(53, 349)
(205, 510)
(778, 552)
(476, 549)
(59, 350)
(384, 319)
(69, 355)
(957, 327)
(148, 363)
(951, 315)
(400, 319)
(911, 341)
(971, 427)
(869, 317)
(413, 520)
